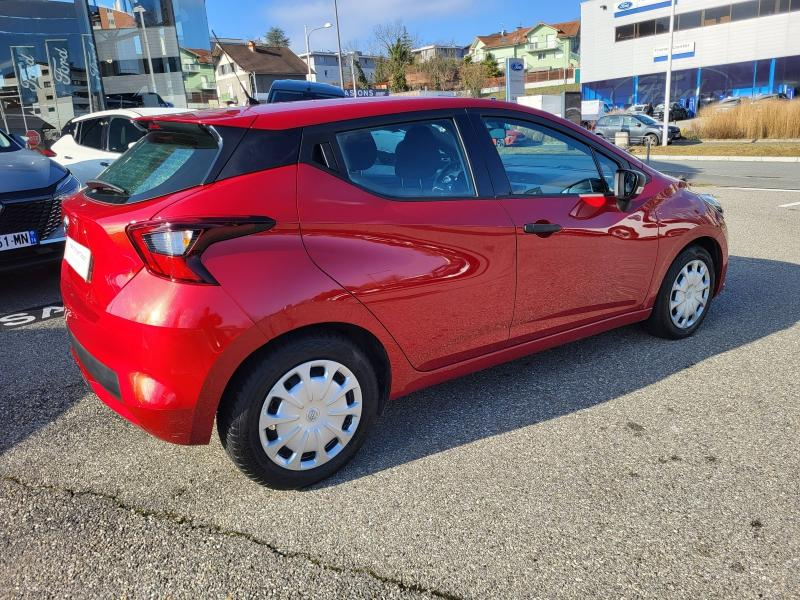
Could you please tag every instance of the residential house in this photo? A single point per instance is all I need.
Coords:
(543, 47)
(197, 65)
(325, 66)
(254, 65)
(425, 53)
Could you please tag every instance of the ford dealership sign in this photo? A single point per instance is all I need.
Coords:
(630, 7)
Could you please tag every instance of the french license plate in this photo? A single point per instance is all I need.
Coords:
(78, 257)
(22, 239)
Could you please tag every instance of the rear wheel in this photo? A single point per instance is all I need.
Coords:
(685, 295)
(301, 413)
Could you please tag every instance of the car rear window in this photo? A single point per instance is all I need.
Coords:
(162, 162)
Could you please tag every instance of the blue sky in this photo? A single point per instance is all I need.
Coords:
(429, 20)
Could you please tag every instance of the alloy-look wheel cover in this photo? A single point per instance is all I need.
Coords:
(310, 415)
(689, 295)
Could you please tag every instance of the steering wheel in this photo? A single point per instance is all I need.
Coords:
(590, 185)
(449, 180)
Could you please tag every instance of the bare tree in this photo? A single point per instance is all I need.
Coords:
(473, 77)
(387, 35)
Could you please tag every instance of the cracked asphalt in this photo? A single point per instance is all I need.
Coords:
(621, 466)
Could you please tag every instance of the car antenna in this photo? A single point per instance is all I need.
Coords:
(250, 100)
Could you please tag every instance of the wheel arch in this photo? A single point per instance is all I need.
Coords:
(710, 245)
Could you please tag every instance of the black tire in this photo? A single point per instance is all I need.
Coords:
(653, 139)
(238, 414)
(660, 322)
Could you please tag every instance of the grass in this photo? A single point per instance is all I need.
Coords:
(724, 149)
(773, 119)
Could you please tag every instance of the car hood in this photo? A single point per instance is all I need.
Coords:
(24, 170)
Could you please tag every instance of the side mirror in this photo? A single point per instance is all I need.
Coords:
(627, 185)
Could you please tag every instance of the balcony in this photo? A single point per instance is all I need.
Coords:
(539, 46)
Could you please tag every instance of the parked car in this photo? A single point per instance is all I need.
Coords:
(90, 143)
(643, 109)
(271, 267)
(676, 113)
(641, 129)
(136, 100)
(32, 188)
(768, 97)
(291, 90)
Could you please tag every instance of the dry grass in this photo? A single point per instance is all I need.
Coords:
(774, 119)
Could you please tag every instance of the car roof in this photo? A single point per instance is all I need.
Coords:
(133, 113)
(288, 115)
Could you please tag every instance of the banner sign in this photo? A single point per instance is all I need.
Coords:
(28, 73)
(682, 50)
(631, 7)
(515, 79)
(58, 58)
(92, 68)
(368, 93)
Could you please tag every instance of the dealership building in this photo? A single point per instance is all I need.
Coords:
(720, 49)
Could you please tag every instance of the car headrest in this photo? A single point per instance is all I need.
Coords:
(417, 157)
(360, 151)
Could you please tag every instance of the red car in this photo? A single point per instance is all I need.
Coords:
(287, 269)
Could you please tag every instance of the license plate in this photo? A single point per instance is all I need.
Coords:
(22, 239)
(78, 257)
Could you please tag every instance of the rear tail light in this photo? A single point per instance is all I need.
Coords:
(45, 151)
(173, 250)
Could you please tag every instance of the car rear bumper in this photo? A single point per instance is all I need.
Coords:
(160, 353)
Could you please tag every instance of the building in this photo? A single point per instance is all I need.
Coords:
(425, 53)
(721, 48)
(325, 66)
(197, 65)
(61, 59)
(543, 47)
(253, 66)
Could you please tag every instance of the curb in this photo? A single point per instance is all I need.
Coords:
(679, 157)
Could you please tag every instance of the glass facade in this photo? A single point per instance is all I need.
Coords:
(694, 88)
(48, 66)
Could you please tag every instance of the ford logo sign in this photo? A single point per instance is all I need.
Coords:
(517, 66)
(624, 5)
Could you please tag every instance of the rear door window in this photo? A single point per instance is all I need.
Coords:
(420, 159)
(91, 133)
(123, 132)
(166, 161)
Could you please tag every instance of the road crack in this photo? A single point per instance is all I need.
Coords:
(213, 528)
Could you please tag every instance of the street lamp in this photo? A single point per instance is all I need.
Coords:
(308, 47)
(139, 9)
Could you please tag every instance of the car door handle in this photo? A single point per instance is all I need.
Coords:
(67, 157)
(104, 163)
(542, 229)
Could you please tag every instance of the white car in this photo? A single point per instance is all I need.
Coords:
(90, 143)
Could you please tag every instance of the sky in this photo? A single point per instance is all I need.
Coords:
(428, 21)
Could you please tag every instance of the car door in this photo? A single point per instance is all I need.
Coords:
(635, 129)
(580, 259)
(394, 210)
(87, 156)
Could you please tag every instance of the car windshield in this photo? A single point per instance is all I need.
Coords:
(6, 144)
(647, 120)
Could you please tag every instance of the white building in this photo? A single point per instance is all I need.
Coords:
(425, 53)
(325, 66)
(721, 48)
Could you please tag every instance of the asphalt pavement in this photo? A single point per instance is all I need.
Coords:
(621, 466)
(746, 174)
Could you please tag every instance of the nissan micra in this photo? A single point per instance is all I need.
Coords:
(287, 269)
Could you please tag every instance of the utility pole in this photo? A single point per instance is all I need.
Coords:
(665, 130)
(140, 9)
(339, 44)
(353, 74)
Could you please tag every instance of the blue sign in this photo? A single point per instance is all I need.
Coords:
(631, 7)
(517, 66)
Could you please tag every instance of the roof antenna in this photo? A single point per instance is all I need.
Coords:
(250, 100)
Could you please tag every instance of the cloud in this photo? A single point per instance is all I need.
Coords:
(357, 18)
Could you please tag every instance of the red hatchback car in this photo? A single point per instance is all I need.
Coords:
(289, 268)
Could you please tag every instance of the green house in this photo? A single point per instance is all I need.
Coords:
(543, 47)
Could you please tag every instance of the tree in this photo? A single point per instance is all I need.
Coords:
(473, 77)
(381, 70)
(361, 77)
(276, 37)
(397, 43)
(490, 62)
(441, 72)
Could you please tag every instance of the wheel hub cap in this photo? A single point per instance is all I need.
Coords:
(310, 414)
(689, 294)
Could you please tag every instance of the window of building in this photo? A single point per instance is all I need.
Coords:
(646, 28)
(717, 15)
(626, 32)
(689, 20)
(773, 7)
(559, 164)
(541, 55)
(795, 5)
(422, 159)
(744, 10)
(662, 25)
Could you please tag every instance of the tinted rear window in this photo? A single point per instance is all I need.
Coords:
(162, 162)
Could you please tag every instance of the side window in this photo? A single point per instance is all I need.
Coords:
(542, 162)
(91, 134)
(603, 122)
(632, 123)
(121, 133)
(423, 159)
(286, 96)
(608, 168)
(615, 121)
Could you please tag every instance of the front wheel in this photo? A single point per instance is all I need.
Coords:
(685, 295)
(301, 412)
(651, 139)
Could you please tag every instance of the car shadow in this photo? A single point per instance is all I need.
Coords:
(762, 297)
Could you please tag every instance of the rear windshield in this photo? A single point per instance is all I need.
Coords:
(162, 162)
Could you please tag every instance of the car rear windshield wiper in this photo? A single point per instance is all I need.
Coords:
(96, 184)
